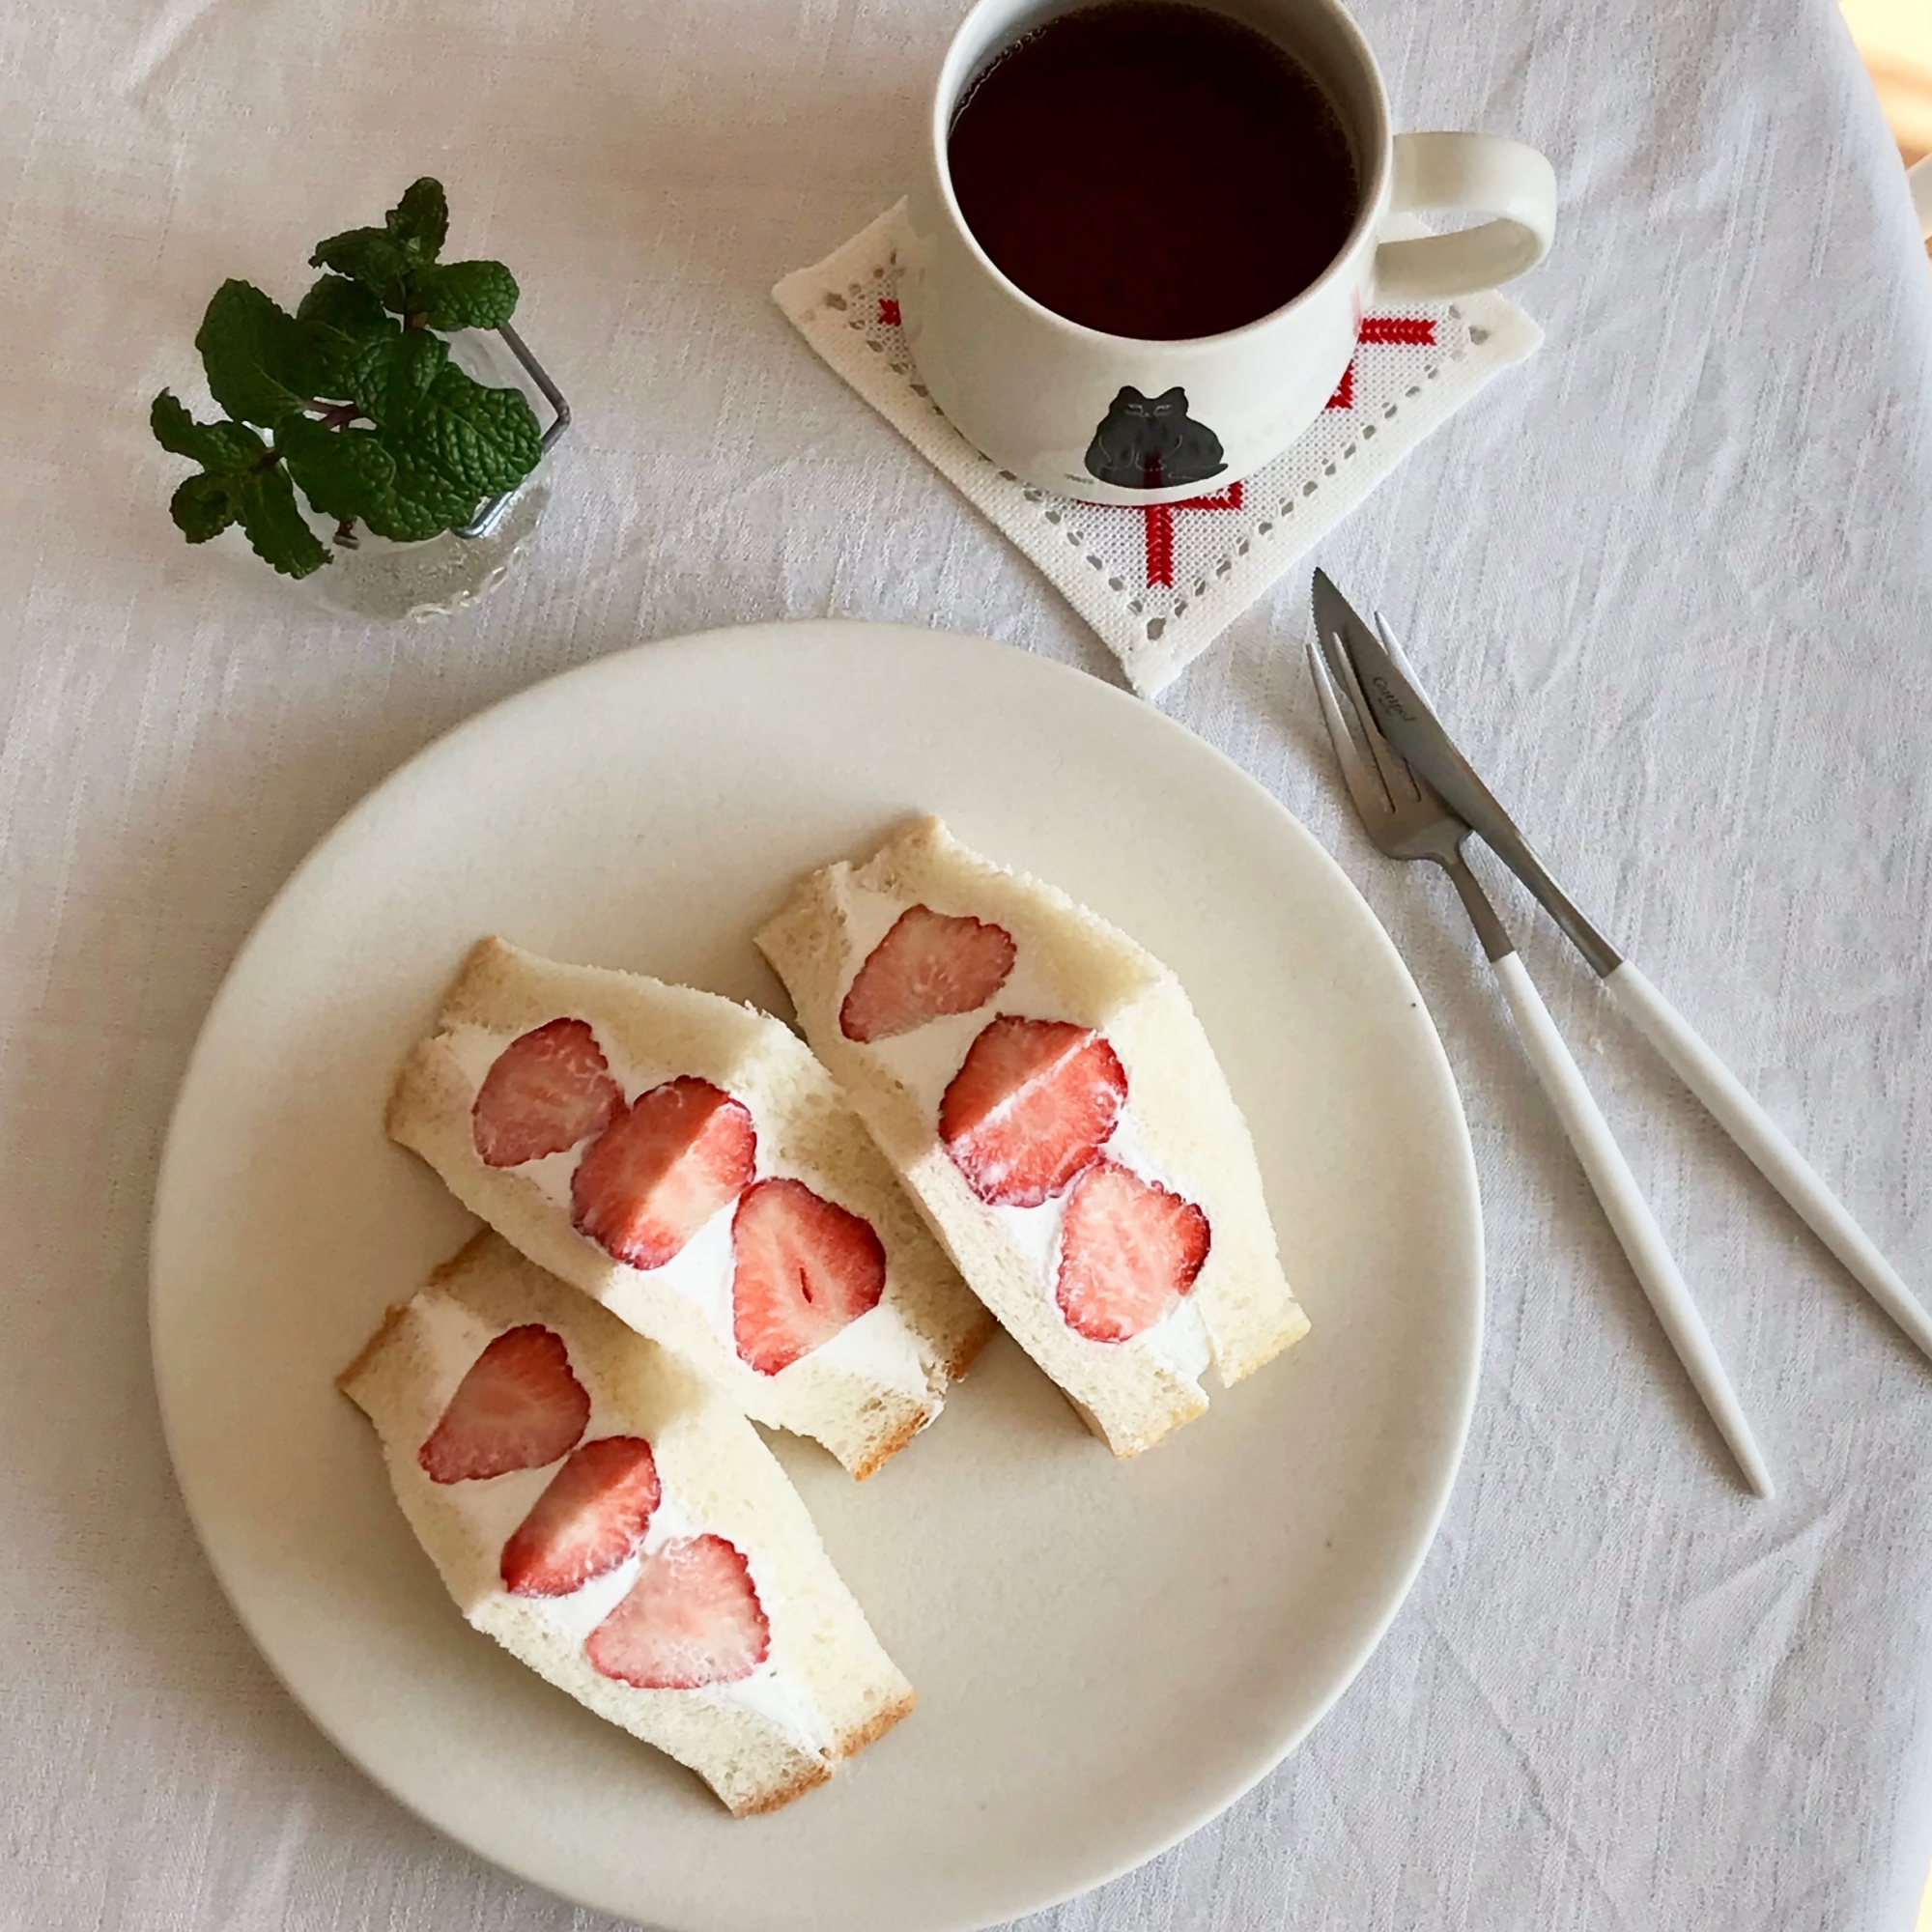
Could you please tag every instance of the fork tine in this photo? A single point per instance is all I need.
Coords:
(1398, 780)
(1365, 787)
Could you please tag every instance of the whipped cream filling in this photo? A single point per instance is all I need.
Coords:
(923, 1061)
(493, 1507)
(875, 1346)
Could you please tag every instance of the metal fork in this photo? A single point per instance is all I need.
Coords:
(1406, 819)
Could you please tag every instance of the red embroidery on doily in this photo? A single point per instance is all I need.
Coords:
(1159, 519)
(1398, 329)
(1229, 499)
(1160, 543)
(1417, 331)
(889, 312)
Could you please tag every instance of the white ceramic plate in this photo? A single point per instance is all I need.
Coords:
(1106, 1654)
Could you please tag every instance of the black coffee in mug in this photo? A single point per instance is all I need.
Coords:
(1153, 169)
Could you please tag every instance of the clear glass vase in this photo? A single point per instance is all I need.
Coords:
(376, 577)
(372, 577)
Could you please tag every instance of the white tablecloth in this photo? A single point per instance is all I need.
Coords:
(1673, 579)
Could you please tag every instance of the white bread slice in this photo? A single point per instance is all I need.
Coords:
(864, 1393)
(1182, 1126)
(826, 1690)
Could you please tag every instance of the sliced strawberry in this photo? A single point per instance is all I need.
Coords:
(691, 1617)
(1031, 1107)
(519, 1408)
(662, 1169)
(588, 1522)
(1128, 1251)
(929, 965)
(802, 1268)
(545, 1091)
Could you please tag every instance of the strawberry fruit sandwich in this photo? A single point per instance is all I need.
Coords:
(685, 1161)
(612, 1522)
(1043, 1087)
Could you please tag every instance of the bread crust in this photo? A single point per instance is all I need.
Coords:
(875, 1727)
(778, 1796)
(374, 1350)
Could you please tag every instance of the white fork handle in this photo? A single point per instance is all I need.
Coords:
(1629, 1216)
(1775, 1157)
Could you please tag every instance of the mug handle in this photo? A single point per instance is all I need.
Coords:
(1477, 173)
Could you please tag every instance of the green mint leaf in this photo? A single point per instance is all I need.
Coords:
(486, 439)
(351, 329)
(342, 472)
(175, 429)
(371, 256)
(266, 506)
(382, 259)
(262, 363)
(422, 502)
(465, 294)
(203, 506)
(464, 442)
(416, 360)
(346, 307)
(421, 220)
(241, 482)
(222, 445)
(389, 376)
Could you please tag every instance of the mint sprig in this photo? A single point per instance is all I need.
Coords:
(240, 482)
(396, 263)
(365, 413)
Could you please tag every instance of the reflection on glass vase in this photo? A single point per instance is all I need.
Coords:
(373, 577)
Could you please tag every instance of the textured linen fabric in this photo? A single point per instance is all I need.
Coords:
(1672, 580)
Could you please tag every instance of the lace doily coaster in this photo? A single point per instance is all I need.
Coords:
(1160, 584)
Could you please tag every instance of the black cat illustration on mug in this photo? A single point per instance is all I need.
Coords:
(1150, 442)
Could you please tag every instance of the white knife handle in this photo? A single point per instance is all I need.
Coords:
(1775, 1158)
(1629, 1216)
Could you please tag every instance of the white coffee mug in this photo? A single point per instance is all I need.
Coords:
(1033, 390)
